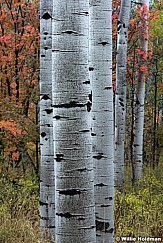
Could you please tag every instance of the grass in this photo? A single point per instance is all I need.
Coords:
(18, 230)
(19, 211)
(138, 211)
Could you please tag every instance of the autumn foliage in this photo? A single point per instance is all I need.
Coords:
(138, 59)
(19, 76)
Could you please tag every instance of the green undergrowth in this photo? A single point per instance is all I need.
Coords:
(19, 212)
(138, 211)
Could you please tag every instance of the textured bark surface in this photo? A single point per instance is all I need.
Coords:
(100, 68)
(120, 95)
(139, 102)
(47, 182)
(75, 210)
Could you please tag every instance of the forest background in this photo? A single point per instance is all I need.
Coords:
(138, 211)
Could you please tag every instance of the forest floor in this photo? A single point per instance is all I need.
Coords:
(138, 211)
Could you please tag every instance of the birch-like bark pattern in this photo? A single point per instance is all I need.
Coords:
(140, 95)
(47, 179)
(75, 210)
(100, 68)
(120, 96)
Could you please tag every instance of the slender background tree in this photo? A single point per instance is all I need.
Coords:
(140, 92)
(120, 94)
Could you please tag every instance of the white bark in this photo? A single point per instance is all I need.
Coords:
(120, 96)
(47, 186)
(100, 68)
(75, 211)
(139, 103)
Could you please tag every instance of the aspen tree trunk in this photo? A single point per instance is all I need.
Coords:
(75, 209)
(140, 96)
(100, 68)
(154, 123)
(47, 179)
(120, 95)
